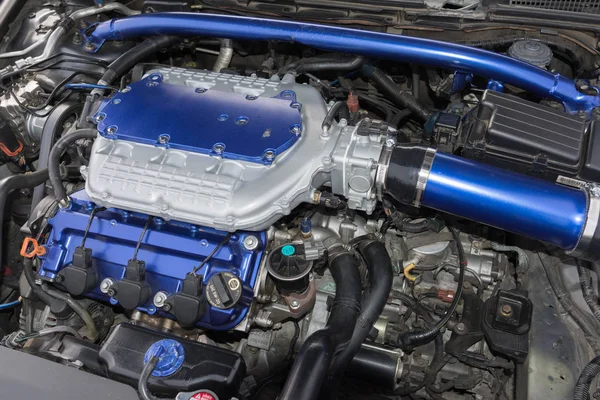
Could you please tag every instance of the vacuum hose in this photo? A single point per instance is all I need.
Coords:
(565, 217)
(312, 363)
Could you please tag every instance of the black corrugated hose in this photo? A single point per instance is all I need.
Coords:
(390, 89)
(375, 297)
(582, 387)
(585, 280)
(312, 363)
(59, 148)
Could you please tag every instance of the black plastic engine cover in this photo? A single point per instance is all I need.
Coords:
(531, 138)
(204, 367)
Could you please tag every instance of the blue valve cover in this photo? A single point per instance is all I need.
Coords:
(170, 250)
(201, 120)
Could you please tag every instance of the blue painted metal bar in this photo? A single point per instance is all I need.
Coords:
(372, 44)
(517, 203)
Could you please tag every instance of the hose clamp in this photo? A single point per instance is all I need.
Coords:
(382, 170)
(423, 175)
(591, 222)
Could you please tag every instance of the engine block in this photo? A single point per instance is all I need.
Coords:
(227, 264)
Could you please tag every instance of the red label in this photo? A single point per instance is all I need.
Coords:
(203, 396)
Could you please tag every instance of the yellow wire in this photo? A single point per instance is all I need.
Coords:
(407, 273)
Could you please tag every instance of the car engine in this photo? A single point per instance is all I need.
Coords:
(216, 200)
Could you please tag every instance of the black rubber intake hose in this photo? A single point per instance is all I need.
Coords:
(60, 193)
(582, 387)
(374, 300)
(133, 56)
(585, 280)
(403, 174)
(22, 181)
(390, 89)
(312, 363)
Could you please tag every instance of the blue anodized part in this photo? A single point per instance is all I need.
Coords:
(222, 124)
(346, 40)
(170, 250)
(517, 203)
(170, 355)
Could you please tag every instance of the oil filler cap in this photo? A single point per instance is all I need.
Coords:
(171, 357)
(224, 290)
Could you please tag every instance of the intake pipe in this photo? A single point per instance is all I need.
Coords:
(350, 41)
(564, 216)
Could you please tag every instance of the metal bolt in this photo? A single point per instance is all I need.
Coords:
(126, 89)
(460, 328)
(390, 142)
(241, 120)
(89, 46)
(295, 105)
(163, 139)
(467, 285)
(116, 101)
(506, 310)
(200, 90)
(218, 148)
(111, 130)
(77, 39)
(582, 114)
(106, 284)
(167, 307)
(250, 242)
(295, 304)
(269, 155)
(295, 129)
(152, 84)
(100, 117)
(160, 298)
(249, 97)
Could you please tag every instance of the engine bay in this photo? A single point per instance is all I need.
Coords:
(206, 201)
